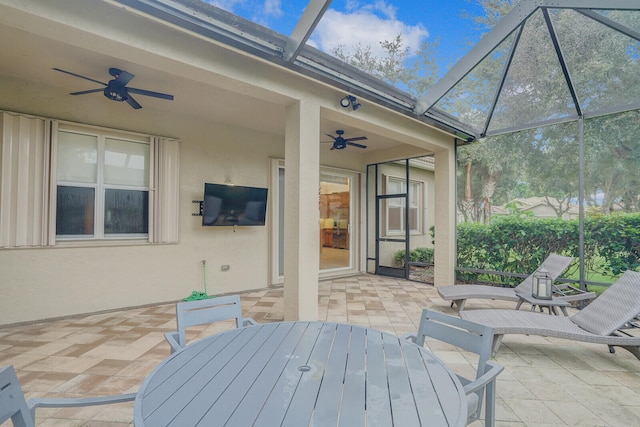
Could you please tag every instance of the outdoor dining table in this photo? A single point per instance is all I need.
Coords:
(301, 374)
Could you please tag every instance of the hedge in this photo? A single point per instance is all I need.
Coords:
(519, 244)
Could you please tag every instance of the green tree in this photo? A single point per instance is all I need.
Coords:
(414, 71)
(542, 161)
(612, 177)
(535, 90)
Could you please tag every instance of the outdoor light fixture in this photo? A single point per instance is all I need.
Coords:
(350, 100)
(542, 285)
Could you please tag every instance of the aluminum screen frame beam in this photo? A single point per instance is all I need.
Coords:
(304, 27)
(611, 24)
(505, 27)
(563, 63)
(477, 54)
(503, 78)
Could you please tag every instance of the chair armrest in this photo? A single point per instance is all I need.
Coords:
(248, 321)
(490, 373)
(410, 337)
(172, 339)
(46, 402)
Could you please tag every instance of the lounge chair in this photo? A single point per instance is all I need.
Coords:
(554, 264)
(605, 320)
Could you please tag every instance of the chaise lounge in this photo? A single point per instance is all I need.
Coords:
(604, 320)
(554, 264)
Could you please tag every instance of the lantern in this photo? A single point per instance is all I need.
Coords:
(542, 285)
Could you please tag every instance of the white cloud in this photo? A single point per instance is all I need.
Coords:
(273, 8)
(367, 25)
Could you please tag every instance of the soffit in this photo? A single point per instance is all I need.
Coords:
(29, 56)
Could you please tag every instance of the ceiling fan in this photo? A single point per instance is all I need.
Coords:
(340, 143)
(117, 89)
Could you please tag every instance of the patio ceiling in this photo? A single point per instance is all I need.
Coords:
(290, 51)
(29, 56)
(535, 68)
(546, 62)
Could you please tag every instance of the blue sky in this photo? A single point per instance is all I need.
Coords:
(367, 22)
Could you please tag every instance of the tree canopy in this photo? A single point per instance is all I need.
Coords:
(540, 162)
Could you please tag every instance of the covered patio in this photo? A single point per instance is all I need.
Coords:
(545, 382)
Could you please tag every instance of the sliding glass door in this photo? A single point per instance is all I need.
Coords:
(335, 221)
(336, 195)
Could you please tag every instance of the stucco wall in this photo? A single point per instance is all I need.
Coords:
(42, 283)
(49, 282)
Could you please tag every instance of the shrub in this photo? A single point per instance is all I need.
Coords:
(423, 255)
(519, 245)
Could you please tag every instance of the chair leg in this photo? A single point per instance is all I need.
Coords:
(490, 405)
(497, 340)
(635, 350)
(460, 304)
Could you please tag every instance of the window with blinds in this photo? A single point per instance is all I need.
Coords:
(61, 181)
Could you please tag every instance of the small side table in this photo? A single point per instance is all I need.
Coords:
(551, 304)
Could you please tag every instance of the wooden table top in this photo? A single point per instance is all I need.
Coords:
(299, 374)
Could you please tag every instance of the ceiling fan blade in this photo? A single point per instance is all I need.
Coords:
(124, 77)
(324, 142)
(134, 104)
(83, 92)
(150, 93)
(357, 138)
(356, 145)
(78, 75)
(331, 136)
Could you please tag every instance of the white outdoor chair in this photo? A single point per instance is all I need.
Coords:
(22, 413)
(192, 313)
(470, 337)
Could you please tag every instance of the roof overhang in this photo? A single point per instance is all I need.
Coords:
(289, 52)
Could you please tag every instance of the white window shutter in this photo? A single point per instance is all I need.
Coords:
(24, 180)
(164, 194)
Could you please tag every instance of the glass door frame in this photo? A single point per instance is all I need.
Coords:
(380, 198)
(276, 206)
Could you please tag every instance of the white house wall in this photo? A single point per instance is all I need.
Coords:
(50, 282)
(229, 116)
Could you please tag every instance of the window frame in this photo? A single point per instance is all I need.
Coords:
(419, 205)
(28, 217)
(99, 186)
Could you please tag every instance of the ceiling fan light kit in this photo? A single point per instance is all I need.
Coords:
(350, 101)
(117, 89)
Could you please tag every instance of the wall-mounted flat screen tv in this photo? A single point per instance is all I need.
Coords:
(233, 205)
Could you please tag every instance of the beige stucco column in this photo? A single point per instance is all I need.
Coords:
(301, 213)
(445, 211)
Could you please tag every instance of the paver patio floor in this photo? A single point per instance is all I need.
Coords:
(546, 381)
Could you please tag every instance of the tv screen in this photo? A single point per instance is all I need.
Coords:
(234, 205)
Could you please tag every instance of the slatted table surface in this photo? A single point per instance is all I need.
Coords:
(301, 374)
